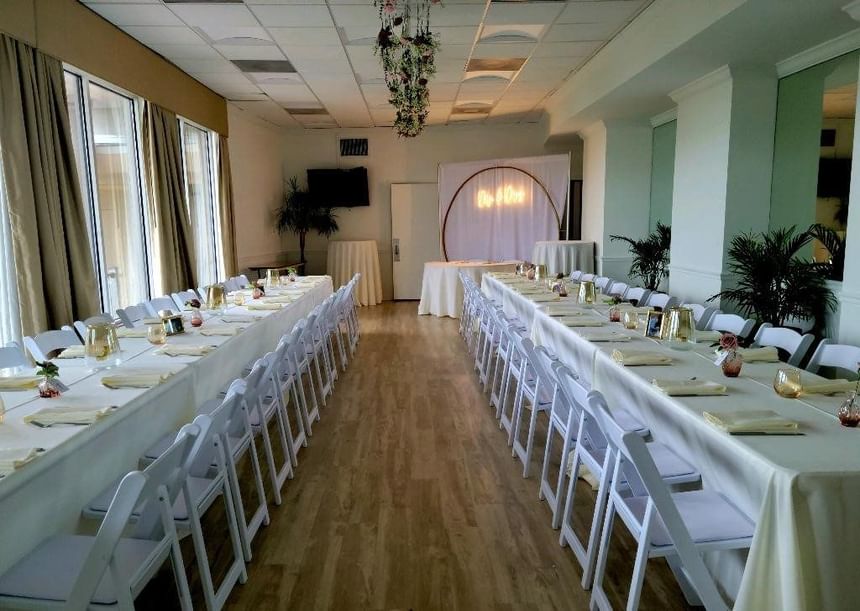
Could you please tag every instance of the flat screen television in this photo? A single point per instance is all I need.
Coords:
(834, 177)
(339, 188)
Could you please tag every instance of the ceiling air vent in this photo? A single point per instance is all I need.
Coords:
(263, 65)
(353, 147)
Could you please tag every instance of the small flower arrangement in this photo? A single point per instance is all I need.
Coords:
(729, 342)
(849, 411)
(292, 273)
(729, 360)
(193, 303)
(259, 291)
(49, 387)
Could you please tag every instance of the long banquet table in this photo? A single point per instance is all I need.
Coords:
(45, 496)
(802, 491)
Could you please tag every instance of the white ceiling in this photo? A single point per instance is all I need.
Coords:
(338, 79)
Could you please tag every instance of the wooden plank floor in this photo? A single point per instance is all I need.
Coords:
(408, 498)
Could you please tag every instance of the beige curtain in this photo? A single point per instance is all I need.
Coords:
(173, 239)
(225, 208)
(56, 277)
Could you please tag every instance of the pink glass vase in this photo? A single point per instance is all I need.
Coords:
(732, 364)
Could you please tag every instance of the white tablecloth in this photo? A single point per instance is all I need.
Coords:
(46, 496)
(565, 256)
(801, 491)
(348, 257)
(441, 290)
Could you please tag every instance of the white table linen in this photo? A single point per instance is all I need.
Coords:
(800, 490)
(564, 256)
(348, 257)
(46, 496)
(441, 289)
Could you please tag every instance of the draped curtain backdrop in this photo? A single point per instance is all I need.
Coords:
(500, 213)
(225, 209)
(172, 237)
(55, 273)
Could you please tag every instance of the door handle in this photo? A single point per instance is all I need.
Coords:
(395, 246)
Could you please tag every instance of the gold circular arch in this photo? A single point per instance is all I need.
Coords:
(478, 173)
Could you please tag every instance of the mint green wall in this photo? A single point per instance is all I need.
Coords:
(662, 173)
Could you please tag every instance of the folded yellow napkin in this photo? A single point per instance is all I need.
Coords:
(15, 458)
(264, 306)
(49, 416)
(19, 383)
(223, 330)
(574, 321)
(689, 388)
(632, 358)
(707, 337)
(555, 312)
(182, 350)
(72, 352)
(135, 379)
(829, 387)
(233, 318)
(544, 297)
(606, 336)
(136, 332)
(756, 421)
(151, 320)
(760, 355)
(279, 299)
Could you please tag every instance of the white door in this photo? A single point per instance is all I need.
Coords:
(414, 235)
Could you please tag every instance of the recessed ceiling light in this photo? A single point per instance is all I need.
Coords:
(306, 111)
(264, 65)
(495, 64)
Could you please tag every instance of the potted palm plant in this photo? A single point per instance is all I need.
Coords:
(835, 245)
(650, 255)
(299, 215)
(772, 282)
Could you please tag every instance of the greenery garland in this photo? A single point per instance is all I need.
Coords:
(408, 57)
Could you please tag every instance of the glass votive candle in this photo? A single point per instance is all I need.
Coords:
(630, 319)
(787, 383)
(156, 334)
(239, 298)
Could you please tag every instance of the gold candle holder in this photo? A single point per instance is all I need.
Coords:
(587, 293)
(631, 319)
(787, 383)
(677, 328)
(101, 346)
(273, 278)
(540, 272)
(216, 299)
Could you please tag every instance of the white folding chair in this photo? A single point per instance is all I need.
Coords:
(132, 316)
(534, 393)
(243, 280)
(732, 323)
(661, 300)
(587, 277)
(789, 340)
(617, 288)
(153, 306)
(636, 294)
(80, 326)
(701, 314)
(576, 275)
(43, 345)
(109, 570)
(840, 356)
(317, 353)
(679, 526)
(12, 357)
(286, 380)
(603, 283)
(182, 297)
(301, 367)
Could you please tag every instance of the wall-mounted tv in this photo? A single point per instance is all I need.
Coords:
(339, 188)
(834, 177)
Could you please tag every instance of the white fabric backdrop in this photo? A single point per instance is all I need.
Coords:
(501, 213)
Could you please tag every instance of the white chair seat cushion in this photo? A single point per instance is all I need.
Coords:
(628, 421)
(161, 446)
(709, 518)
(669, 464)
(49, 572)
(199, 487)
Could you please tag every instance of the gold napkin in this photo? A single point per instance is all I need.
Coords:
(139, 332)
(223, 330)
(49, 416)
(707, 337)
(151, 320)
(279, 299)
(232, 318)
(264, 306)
(580, 322)
(632, 358)
(15, 458)
(755, 421)
(829, 387)
(606, 336)
(72, 352)
(689, 388)
(19, 383)
(135, 379)
(555, 312)
(544, 297)
(182, 350)
(760, 355)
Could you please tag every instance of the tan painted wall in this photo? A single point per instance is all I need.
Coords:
(71, 32)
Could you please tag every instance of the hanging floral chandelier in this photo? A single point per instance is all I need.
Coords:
(407, 49)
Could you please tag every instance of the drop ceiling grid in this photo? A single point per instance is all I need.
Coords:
(346, 81)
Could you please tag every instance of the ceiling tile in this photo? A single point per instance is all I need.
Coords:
(250, 51)
(136, 14)
(293, 16)
(456, 35)
(320, 53)
(325, 70)
(204, 66)
(236, 34)
(231, 82)
(566, 49)
(523, 12)
(359, 15)
(305, 36)
(502, 50)
(572, 32)
(269, 111)
(443, 91)
(457, 15)
(164, 35)
(360, 33)
(236, 15)
(613, 11)
(275, 78)
(512, 32)
(174, 52)
(293, 94)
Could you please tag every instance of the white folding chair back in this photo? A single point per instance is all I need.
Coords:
(587, 277)
(789, 340)
(132, 316)
(701, 314)
(603, 283)
(165, 302)
(43, 345)
(576, 275)
(617, 288)
(839, 356)
(636, 294)
(534, 393)
(661, 300)
(11, 356)
(732, 323)
(80, 326)
(180, 298)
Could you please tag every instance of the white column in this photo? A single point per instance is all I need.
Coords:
(848, 331)
(616, 189)
(723, 163)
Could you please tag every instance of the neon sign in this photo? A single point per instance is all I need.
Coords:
(504, 196)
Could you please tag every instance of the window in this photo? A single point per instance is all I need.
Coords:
(198, 152)
(10, 324)
(105, 130)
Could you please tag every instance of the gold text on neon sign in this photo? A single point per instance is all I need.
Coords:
(504, 196)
